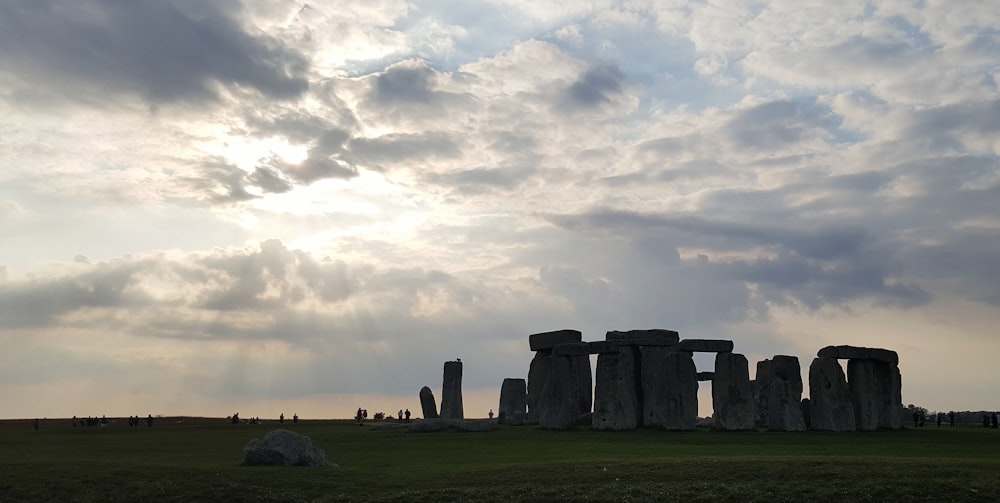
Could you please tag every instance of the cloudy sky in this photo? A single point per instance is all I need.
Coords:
(278, 206)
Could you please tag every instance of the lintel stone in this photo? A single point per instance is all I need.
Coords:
(706, 345)
(859, 353)
(650, 337)
(549, 340)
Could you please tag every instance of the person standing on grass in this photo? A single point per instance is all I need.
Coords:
(951, 418)
(939, 414)
(359, 417)
(400, 415)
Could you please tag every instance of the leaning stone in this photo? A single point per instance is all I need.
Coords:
(284, 448)
(859, 353)
(651, 337)
(513, 399)
(563, 392)
(549, 340)
(784, 412)
(706, 345)
(451, 391)
(732, 397)
(427, 403)
(617, 402)
(538, 374)
(571, 349)
(830, 406)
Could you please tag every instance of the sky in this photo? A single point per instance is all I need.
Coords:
(279, 206)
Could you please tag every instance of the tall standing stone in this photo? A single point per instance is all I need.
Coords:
(682, 392)
(830, 406)
(891, 415)
(655, 385)
(732, 396)
(451, 391)
(617, 392)
(562, 395)
(863, 381)
(513, 401)
(765, 372)
(538, 374)
(427, 403)
(784, 411)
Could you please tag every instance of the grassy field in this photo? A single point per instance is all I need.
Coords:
(195, 459)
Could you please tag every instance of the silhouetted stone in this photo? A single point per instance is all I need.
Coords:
(549, 340)
(284, 448)
(784, 412)
(654, 383)
(571, 349)
(513, 399)
(732, 397)
(427, 403)
(598, 347)
(863, 381)
(463, 425)
(706, 376)
(806, 413)
(451, 391)
(682, 392)
(830, 406)
(538, 374)
(617, 393)
(516, 419)
(876, 393)
(891, 415)
(563, 394)
(761, 387)
(650, 337)
(706, 345)
(859, 353)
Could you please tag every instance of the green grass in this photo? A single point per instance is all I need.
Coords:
(198, 460)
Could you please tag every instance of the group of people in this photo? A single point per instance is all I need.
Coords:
(990, 420)
(133, 421)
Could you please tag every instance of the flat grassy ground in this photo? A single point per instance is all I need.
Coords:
(197, 459)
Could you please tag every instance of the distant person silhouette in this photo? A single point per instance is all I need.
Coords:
(399, 415)
(951, 418)
(281, 419)
(295, 418)
(407, 414)
(149, 421)
(491, 413)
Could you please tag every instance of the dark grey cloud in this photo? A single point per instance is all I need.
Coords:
(410, 92)
(38, 302)
(596, 86)
(826, 264)
(161, 51)
(779, 123)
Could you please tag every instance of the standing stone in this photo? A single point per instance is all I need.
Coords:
(427, 403)
(784, 411)
(682, 392)
(562, 394)
(451, 391)
(617, 393)
(830, 406)
(765, 373)
(584, 382)
(863, 381)
(656, 390)
(732, 397)
(891, 415)
(513, 399)
(538, 374)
